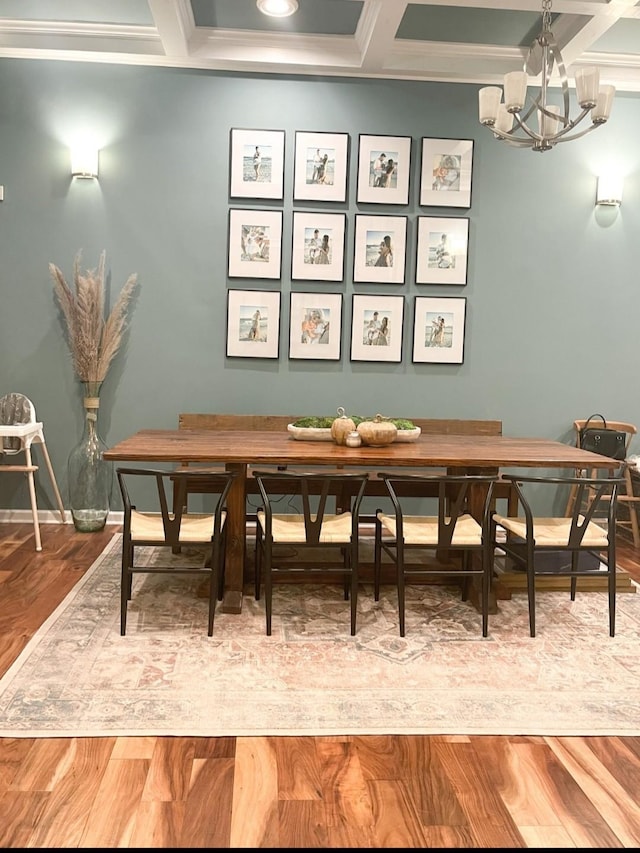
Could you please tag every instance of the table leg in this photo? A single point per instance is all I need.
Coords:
(478, 495)
(236, 540)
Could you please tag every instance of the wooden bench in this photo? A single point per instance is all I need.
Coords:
(278, 423)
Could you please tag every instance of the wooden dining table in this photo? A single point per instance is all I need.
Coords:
(239, 449)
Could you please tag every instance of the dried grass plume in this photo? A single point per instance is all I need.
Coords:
(93, 339)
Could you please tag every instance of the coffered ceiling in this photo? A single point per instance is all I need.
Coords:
(466, 41)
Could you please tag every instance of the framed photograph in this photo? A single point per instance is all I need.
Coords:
(255, 243)
(318, 246)
(384, 166)
(320, 166)
(256, 163)
(376, 327)
(315, 326)
(253, 323)
(445, 177)
(442, 250)
(438, 333)
(379, 250)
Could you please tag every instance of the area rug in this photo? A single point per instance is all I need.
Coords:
(79, 677)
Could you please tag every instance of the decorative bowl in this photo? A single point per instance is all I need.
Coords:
(408, 435)
(310, 433)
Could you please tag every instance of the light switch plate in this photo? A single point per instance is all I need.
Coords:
(1, 193)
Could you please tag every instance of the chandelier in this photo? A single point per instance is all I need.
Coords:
(553, 125)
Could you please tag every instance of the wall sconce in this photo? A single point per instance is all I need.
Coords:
(609, 190)
(84, 162)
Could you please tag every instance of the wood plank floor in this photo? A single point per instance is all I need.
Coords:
(377, 791)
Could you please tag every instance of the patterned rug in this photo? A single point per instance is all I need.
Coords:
(79, 677)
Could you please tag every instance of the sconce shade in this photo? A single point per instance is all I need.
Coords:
(609, 190)
(84, 162)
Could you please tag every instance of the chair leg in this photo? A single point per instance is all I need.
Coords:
(257, 563)
(633, 515)
(377, 558)
(353, 562)
(215, 584)
(531, 591)
(487, 558)
(125, 589)
(400, 586)
(611, 569)
(52, 477)
(213, 594)
(268, 584)
(222, 564)
(32, 496)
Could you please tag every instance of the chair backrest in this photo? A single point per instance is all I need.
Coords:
(15, 409)
(454, 494)
(318, 493)
(596, 499)
(172, 489)
(621, 426)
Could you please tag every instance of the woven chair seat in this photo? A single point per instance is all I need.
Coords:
(291, 528)
(423, 530)
(194, 527)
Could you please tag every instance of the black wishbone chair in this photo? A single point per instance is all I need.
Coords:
(589, 531)
(166, 521)
(449, 543)
(313, 521)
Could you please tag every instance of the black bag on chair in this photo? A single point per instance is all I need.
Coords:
(602, 440)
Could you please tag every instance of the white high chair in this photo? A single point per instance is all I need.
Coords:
(18, 431)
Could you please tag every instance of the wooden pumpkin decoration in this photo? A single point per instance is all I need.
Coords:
(341, 427)
(377, 432)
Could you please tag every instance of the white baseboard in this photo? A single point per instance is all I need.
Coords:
(23, 516)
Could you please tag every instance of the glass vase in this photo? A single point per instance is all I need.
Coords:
(90, 475)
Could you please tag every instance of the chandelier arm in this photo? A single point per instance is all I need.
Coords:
(513, 140)
(562, 138)
(522, 125)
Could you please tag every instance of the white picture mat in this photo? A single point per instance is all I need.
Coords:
(396, 148)
(242, 183)
(332, 225)
(428, 309)
(459, 192)
(363, 308)
(242, 306)
(432, 250)
(247, 261)
(369, 233)
(322, 339)
(336, 147)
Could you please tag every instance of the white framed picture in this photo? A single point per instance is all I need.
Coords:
(376, 327)
(445, 176)
(384, 167)
(321, 164)
(318, 246)
(255, 243)
(442, 250)
(257, 163)
(439, 328)
(315, 326)
(253, 323)
(379, 251)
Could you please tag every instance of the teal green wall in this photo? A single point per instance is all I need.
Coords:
(552, 293)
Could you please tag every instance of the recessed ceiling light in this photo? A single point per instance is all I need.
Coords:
(277, 8)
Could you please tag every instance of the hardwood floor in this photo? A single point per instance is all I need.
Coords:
(376, 791)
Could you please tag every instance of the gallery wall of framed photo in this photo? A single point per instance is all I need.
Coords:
(376, 244)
